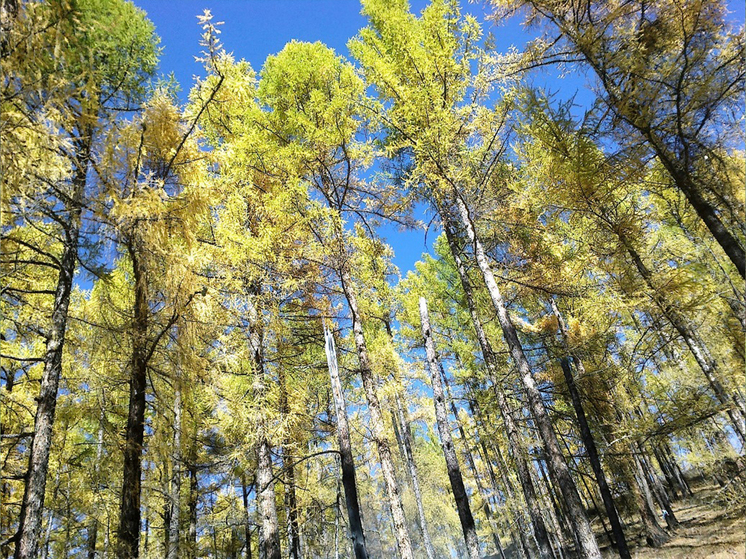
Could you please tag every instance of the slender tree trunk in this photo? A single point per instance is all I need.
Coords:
(736, 407)
(408, 444)
(129, 510)
(291, 501)
(193, 503)
(557, 467)
(32, 506)
(247, 524)
(518, 536)
(563, 529)
(449, 452)
(658, 491)
(345, 450)
(587, 436)
(175, 497)
(403, 542)
(515, 441)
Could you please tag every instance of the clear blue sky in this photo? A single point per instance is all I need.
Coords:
(254, 29)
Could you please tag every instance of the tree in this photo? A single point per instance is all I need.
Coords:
(672, 76)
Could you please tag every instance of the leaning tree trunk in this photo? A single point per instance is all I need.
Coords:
(587, 437)
(401, 534)
(446, 441)
(401, 419)
(345, 450)
(32, 506)
(735, 404)
(515, 440)
(557, 467)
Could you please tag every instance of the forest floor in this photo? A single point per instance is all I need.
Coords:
(708, 530)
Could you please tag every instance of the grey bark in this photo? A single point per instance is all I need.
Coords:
(446, 441)
(357, 535)
(175, 496)
(265, 485)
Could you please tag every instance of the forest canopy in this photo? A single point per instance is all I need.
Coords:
(207, 349)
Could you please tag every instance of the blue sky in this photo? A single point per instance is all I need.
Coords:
(253, 29)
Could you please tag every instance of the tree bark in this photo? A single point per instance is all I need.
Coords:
(587, 437)
(515, 441)
(349, 482)
(468, 456)
(129, 510)
(193, 502)
(32, 506)
(403, 542)
(446, 441)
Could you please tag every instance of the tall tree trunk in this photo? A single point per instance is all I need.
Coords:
(291, 502)
(345, 450)
(129, 510)
(736, 407)
(519, 536)
(175, 496)
(403, 542)
(657, 489)
(587, 436)
(32, 506)
(446, 441)
(557, 467)
(408, 444)
(515, 441)
(402, 427)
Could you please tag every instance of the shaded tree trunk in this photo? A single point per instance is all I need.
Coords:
(129, 510)
(486, 508)
(174, 523)
(193, 503)
(444, 429)
(349, 481)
